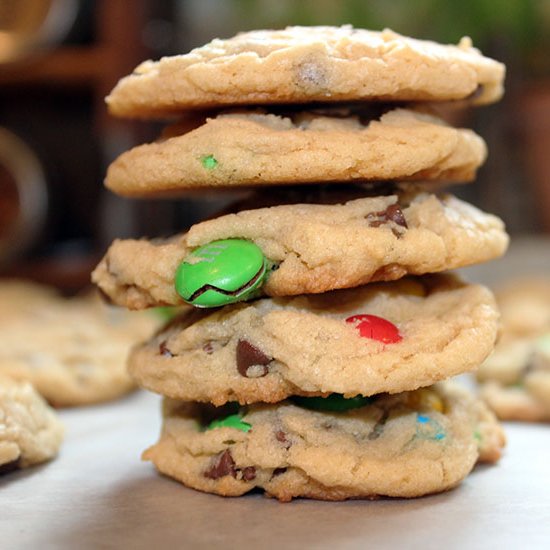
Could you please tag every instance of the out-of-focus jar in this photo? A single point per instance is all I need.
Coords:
(23, 197)
(28, 26)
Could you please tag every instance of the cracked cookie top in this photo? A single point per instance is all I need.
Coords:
(381, 337)
(305, 64)
(249, 148)
(315, 247)
(403, 445)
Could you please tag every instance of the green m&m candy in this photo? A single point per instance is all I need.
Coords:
(335, 402)
(222, 272)
(233, 421)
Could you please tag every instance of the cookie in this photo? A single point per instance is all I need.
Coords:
(525, 307)
(515, 378)
(308, 64)
(382, 337)
(30, 431)
(72, 350)
(406, 445)
(315, 248)
(20, 297)
(248, 148)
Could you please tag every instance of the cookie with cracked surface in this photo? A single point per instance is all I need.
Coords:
(515, 378)
(260, 149)
(405, 445)
(307, 64)
(73, 350)
(30, 431)
(316, 248)
(382, 337)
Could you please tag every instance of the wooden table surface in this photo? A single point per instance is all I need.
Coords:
(98, 494)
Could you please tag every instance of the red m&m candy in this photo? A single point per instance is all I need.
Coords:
(376, 328)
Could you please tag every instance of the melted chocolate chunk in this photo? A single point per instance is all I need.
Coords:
(163, 349)
(223, 465)
(249, 473)
(281, 437)
(376, 223)
(395, 214)
(8, 467)
(250, 356)
(208, 348)
(278, 472)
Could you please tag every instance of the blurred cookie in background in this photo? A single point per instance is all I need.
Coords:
(515, 379)
(23, 196)
(72, 349)
(31, 26)
(30, 431)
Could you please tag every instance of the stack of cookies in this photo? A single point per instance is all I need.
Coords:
(312, 356)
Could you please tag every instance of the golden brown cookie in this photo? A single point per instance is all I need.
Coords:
(515, 378)
(254, 148)
(404, 445)
(266, 350)
(30, 431)
(305, 64)
(316, 248)
(72, 350)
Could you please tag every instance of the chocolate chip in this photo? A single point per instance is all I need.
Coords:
(208, 348)
(281, 437)
(8, 467)
(376, 223)
(278, 472)
(395, 214)
(249, 473)
(163, 349)
(223, 465)
(250, 356)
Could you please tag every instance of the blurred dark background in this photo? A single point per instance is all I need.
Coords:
(59, 58)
